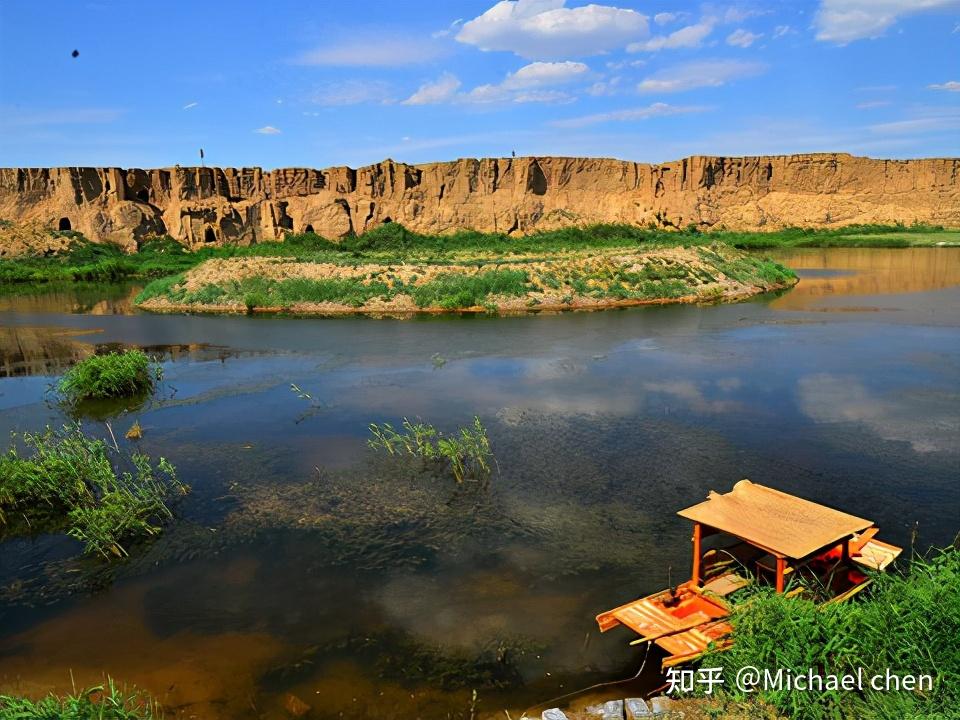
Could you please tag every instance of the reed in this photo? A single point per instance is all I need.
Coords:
(77, 484)
(466, 453)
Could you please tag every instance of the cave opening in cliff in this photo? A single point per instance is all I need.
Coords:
(209, 236)
(309, 230)
(64, 224)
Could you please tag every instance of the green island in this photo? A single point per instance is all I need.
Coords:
(391, 269)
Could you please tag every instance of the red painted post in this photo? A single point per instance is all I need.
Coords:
(696, 554)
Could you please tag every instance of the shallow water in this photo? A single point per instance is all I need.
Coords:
(303, 563)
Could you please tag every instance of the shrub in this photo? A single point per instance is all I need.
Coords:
(70, 482)
(119, 374)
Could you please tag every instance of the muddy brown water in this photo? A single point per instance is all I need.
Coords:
(304, 564)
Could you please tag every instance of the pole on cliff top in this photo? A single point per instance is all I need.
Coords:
(201, 158)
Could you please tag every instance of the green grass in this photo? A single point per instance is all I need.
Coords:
(103, 702)
(453, 290)
(161, 257)
(907, 621)
(71, 482)
(114, 375)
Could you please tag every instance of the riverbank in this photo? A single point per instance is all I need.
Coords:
(565, 281)
(31, 254)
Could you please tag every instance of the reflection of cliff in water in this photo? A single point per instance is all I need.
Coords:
(865, 271)
(28, 351)
(39, 351)
(87, 298)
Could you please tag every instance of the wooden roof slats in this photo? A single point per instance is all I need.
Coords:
(780, 523)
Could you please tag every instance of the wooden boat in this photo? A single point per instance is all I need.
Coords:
(757, 534)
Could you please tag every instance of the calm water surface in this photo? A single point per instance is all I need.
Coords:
(304, 564)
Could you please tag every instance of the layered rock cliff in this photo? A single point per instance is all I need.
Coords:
(512, 195)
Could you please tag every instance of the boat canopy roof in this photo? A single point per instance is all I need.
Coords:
(782, 524)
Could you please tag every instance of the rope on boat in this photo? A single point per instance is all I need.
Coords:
(609, 683)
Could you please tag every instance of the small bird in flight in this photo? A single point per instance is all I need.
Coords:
(75, 53)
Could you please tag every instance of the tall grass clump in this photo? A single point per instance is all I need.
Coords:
(103, 702)
(455, 290)
(907, 622)
(71, 482)
(465, 453)
(114, 375)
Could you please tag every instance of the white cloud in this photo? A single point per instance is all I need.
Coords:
(950, 86)
(843, 21)
(352, 92)
(605, 87)
(267, 130)
(632, 114)
(544, 96)
(542, 74)
(664, 18)
(706, 73)
(948, 121)
(449, 30)
(190, 105)
(686, 37)
(621, 64)
(531, 83)
(437, 91)
(546, 29)
(743, 38)
(373, 50)
(780, 30)
(738, 14)
(872, 104)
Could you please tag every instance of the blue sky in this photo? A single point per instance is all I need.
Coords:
(314, 84)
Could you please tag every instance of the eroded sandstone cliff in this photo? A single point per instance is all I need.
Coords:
(513, 195)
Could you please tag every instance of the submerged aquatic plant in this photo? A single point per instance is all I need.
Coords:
(71, 482)
(114, 375)
(103, 702)
(467, 453)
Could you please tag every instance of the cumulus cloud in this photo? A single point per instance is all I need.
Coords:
(541, 74)
(546, 29)
(844, 21)
(664, 18)
(535, 82)
(351, 92)
(268, 130)
(686, 37)
(437, 91)
(949, 86)
(373, 50)
(629, 115)
(706, 73)
(743, 38)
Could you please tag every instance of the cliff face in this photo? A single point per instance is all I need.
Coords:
(513, 195)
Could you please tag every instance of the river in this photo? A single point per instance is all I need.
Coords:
(305, 564)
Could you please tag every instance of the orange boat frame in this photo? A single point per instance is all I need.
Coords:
(778, 534)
